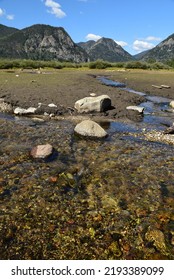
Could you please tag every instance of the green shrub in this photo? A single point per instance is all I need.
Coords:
(118, 64)
(5, 65)
(159, 65)
(99, 64)
(171, 63)
(136, 65)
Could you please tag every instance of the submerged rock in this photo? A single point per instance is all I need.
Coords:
(157, 237)
(42, 151)
(93, 104)
(91, 129)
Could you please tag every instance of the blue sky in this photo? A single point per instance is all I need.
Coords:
(137, 25)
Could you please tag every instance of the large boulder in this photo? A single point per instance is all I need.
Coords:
(93, 104)
(90, 128)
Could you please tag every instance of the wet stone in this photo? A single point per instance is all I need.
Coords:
(42, 151)
(91, 129)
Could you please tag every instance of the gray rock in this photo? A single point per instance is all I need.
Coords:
(135, 108)
(90, 128)
(93, 104)
(42, 151)
(22, 111)
(172, 103)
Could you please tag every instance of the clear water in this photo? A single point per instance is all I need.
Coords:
(106, 199)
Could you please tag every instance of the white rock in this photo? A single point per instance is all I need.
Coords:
(93, 104)
(92, 94)
(136, 108)
(90, 128)
(165, 86)
(172, 103)
(38, 120)
(22, 111)
(52, 105)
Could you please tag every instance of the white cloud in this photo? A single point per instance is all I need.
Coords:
(1, 12)
(140, 46)
(121, 43)
(93, 37)
(152, 38)
(55, 8)
(10, 17)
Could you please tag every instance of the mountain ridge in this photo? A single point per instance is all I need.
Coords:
(106, 49)
(163, 52)
(41, 42)
(5, 30)
(46, 42)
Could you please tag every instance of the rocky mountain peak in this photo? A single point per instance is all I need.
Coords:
(41, 42)
(162, 52)
(106, 49)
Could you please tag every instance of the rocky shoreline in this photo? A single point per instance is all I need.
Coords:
(89, 108)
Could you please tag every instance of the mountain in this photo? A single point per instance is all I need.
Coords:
(5, 30)
(106, 49)
(162, 52)
(140, 55)
(86, 45)
(41, 42)
(45, 42)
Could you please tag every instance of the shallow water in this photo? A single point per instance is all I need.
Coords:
(97, 199)
(104, 199)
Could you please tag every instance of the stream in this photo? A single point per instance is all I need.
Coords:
(157, 111)
(98, 199)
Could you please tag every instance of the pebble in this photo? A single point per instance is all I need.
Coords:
(52, 105)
